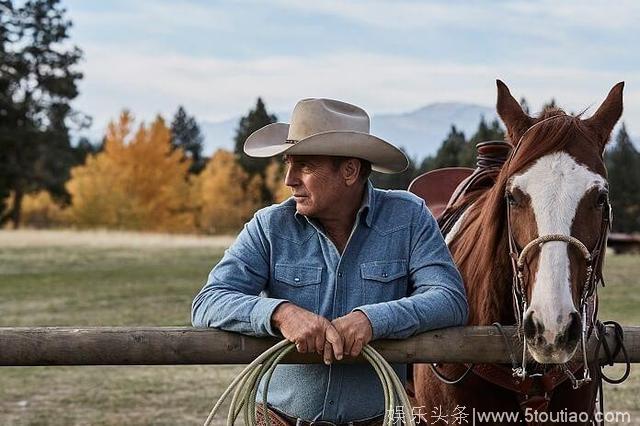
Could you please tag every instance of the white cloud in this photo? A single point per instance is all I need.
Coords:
(213, 88)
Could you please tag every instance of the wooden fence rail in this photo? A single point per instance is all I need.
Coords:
(29, 346)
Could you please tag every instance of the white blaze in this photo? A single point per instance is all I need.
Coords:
(555, 184)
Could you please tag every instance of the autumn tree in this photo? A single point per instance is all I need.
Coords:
(226, 196)
(274, 181)
(137, 182)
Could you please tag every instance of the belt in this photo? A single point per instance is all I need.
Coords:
(373, 421)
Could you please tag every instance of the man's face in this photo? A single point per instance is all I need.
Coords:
(315, 183)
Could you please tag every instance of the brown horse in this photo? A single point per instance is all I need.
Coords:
(552, 193)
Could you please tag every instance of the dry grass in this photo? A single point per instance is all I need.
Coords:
(107, 239)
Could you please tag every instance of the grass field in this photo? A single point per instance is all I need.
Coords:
(97, 279)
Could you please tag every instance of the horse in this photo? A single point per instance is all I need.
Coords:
(530, 249)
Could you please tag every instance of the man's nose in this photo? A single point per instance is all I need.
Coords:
(291, 178)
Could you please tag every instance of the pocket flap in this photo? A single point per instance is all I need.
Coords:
(298, 275)
(383, 271)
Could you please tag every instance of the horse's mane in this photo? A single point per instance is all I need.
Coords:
(480, 246)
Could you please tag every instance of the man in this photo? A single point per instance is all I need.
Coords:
(338, 265)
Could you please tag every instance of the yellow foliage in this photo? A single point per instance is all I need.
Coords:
(39, 210)
(225, 194)
(274, 179)
(137, 182)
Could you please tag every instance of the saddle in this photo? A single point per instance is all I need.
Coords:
(443, 188)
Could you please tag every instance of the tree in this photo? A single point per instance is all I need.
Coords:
(186, 135)
(7, 112)
(486, 132)
(254, 120)
(39, 80)
(395, 180)
(225, 194)
(524, 105)
(449, 153)
(623, 164)
(137, 182)
(274, 181)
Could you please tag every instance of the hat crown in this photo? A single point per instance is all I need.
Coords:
(313, 116)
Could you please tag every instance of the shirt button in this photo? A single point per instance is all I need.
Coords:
(296, 279)
(340, 274)
(384, 275)
(330, 402)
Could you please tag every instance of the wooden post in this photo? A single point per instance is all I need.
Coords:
(26, 346)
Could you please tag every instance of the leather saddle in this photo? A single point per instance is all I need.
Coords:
(442, 189)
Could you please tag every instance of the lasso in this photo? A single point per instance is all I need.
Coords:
(246, 387)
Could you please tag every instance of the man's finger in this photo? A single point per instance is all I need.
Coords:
(357, 347)
(319, 343)
(301, 346)
(335, 339)
(328, 353)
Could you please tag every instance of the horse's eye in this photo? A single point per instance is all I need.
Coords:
(602, 200)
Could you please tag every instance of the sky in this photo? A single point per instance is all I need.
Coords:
(215, 58)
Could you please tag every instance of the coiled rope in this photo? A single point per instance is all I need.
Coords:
(246, 387)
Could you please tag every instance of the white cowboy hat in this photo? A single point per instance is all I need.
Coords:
(326, 127)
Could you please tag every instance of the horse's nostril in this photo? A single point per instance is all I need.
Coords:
(529, 326)
(574, 328)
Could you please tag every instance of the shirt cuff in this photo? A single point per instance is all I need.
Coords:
(379, 315)
(261, 316)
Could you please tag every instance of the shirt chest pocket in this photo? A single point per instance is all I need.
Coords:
(384, 280)
(299, 284)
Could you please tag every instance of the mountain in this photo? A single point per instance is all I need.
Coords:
(420, 132)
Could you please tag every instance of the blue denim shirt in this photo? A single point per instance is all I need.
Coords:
(395, 268)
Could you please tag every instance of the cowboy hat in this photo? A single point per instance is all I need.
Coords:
(326, 127)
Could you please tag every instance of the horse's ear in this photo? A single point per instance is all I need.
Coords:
(514, 118)
(607, 115)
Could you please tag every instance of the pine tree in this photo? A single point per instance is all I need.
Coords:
(395, 180)
(186, 135)
(524, 105)
(254, 120)
(449, 153)
(486, 132)
(39, 81)
(623, 164)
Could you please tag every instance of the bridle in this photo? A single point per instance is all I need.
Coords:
(593, 262)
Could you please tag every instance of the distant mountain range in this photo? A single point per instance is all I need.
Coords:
(419, 132)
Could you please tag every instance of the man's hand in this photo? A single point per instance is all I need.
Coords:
(310, 332)
(355, 329)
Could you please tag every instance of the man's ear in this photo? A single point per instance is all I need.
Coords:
(350, 170)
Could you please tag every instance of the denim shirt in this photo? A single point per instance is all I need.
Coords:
(395, 268)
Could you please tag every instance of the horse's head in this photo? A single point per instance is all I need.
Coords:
(556, 188)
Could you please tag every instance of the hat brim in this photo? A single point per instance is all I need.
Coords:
(271, 140)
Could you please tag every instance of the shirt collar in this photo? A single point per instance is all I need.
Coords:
(365, 207)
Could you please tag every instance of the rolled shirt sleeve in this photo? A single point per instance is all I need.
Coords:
(230, 300)
(437, 298)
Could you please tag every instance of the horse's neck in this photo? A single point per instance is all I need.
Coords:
(490, 296)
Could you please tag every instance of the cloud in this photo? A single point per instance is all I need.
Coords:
(214, 88)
